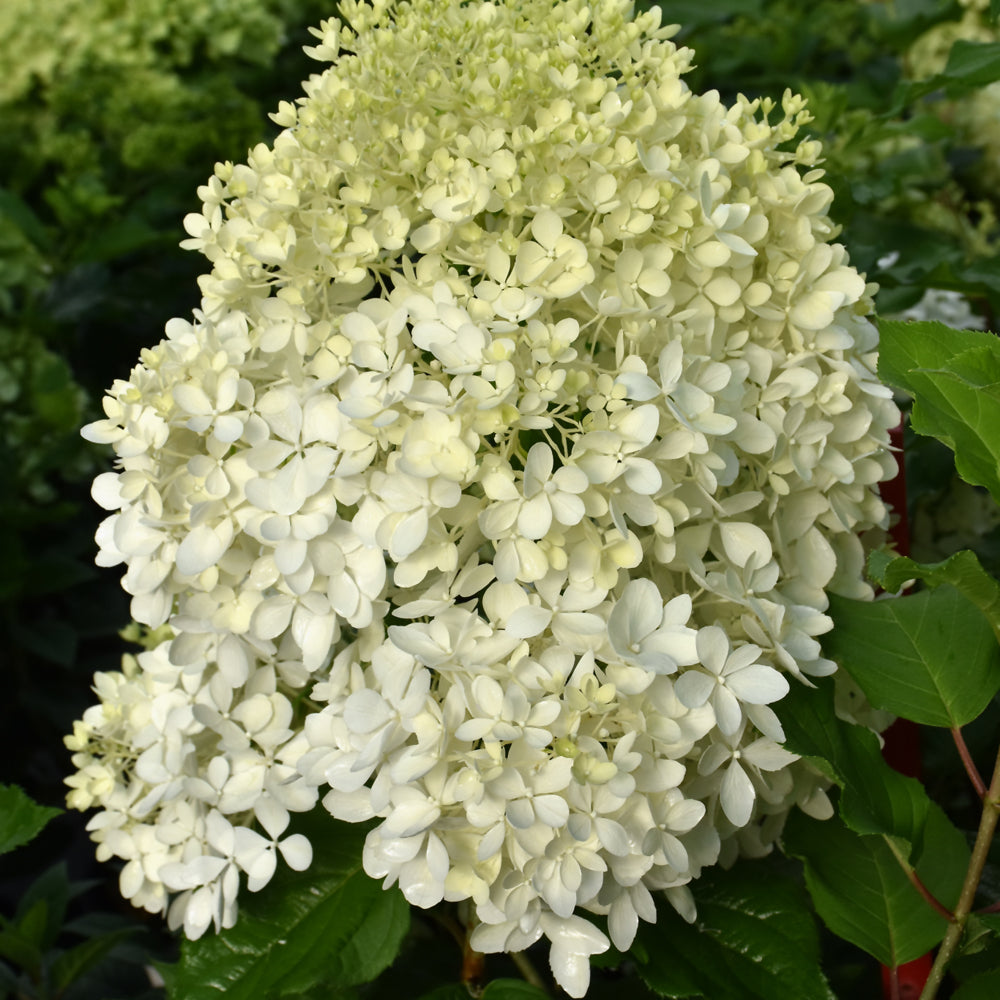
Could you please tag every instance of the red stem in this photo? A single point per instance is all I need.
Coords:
(929, 897)
(894, 983)
(970, 766)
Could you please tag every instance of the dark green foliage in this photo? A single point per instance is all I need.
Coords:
(328, 926)
(754, 938)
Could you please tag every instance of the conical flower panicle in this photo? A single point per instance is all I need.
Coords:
(529, 414)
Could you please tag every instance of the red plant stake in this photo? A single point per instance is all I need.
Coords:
(902, 738)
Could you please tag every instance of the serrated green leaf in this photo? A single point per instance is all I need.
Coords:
(861, 892)
(954, 378)
(754, 938)
(931, 657)
(963, 571)
(875, 798)
(888, 821)
(330, 923)
(21, 818)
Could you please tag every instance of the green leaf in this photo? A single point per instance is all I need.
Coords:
(985, 986)
(33, 924)
(974, 64)
(512, 989)
(51, 888)
(979, 949)
(962, 570)
(18, 211)
(944, 861)
(754, 938)
(21, 950)
(861, 892)
(875, 798)
(931, 657)
(455, 991)
(72, 964)
(21, 818)
(991, 920)
(117, 239)
(330, 923)
(970, 65)
(954, 378)
(976, 938)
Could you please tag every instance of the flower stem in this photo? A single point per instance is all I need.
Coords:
(473, 969)
(527, 970)
(984, 837)
(970, 767)
(473, 962)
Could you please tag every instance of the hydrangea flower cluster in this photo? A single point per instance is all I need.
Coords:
(495, 490)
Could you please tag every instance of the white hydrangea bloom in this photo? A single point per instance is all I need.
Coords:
(495, 489)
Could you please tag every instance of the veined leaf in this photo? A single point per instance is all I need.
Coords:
(931, 657)
(21, 818)
(862, 893)
(329, 924)
(962, 570)
(875, 798)
(754, 938)
(954, 378)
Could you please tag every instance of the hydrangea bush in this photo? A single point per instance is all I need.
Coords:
(977, 115)
(495, 490)
(91, 81)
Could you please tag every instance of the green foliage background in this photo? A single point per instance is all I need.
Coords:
(111, 114)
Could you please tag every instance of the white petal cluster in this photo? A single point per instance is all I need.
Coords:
(494, 492)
